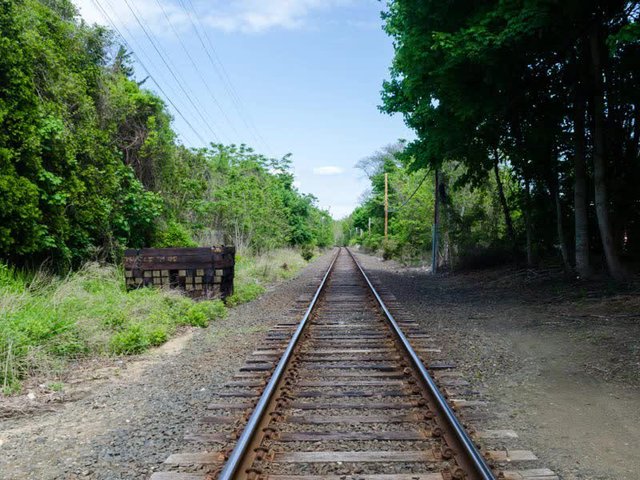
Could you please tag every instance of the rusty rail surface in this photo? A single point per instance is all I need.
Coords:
(257, 446)
(346, 393)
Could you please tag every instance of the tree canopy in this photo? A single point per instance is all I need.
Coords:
(90, 164)
(545, 90)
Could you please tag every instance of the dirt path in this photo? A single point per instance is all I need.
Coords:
(561, 366)
(129, 416)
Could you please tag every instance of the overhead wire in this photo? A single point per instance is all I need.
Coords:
(181, 84)
(147, 71)
(221, 71)
(412, 195)
(195, 66)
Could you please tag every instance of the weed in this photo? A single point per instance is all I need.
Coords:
(46, 320)
(55, 386)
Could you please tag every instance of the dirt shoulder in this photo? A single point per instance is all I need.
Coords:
(121, 419)
(559, 363)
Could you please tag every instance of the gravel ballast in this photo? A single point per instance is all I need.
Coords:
(558, 362)
(128, 417)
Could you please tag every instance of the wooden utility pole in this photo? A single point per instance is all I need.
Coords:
(386, 205)
(436, 222)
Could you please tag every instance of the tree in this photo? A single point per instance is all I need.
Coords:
(531, 83)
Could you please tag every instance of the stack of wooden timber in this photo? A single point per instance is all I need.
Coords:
(201, 272)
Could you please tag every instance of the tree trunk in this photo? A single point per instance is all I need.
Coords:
(562, 243)
(583, 267)
(527, 221)
(503, 202)
(599, 165)
(436, 224)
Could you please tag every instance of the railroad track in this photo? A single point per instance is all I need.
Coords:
(342, 394)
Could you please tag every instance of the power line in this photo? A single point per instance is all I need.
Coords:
(171, 71)
(412, 195)
(148, 73)
(195, 66)
(222, 73)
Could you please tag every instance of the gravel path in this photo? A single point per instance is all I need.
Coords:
(126, 425)
(559, 363)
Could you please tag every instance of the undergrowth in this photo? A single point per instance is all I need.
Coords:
(255, 272)
(47, 321)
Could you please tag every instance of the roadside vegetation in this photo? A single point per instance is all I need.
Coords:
(529, 112)
(90, 165)
(50, 320)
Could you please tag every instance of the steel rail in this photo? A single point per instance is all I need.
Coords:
(470, 449)
(235, 459)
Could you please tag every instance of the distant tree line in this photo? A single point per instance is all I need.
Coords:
(90, 164)
(472, 227)
(540, 98)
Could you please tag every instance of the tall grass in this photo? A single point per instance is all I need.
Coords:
(255, 272)
(47, 320)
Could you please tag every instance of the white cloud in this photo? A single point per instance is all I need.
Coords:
(248, 16)
(150, 14)
(328, 170)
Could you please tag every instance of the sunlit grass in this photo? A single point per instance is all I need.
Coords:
(48, 320)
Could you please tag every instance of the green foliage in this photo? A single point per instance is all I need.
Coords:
(307, 251)
(89, 163)
(470, 215)
(174, 234)
(201, 313)
(250, 201)
(508, 85)
(44, 318)
(244, 292)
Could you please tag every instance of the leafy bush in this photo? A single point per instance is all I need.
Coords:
(174, 234)
(201, 313)
(48, 319)
(243, 293)
(133, 339)
(307, 251)
(390, 249)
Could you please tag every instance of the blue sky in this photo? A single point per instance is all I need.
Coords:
(284, 76)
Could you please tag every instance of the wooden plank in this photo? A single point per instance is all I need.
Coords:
(245, 383)
(230, 406)
(207, 458)
(331, 351)
(354, 405)
(462, 403)
(352, 393)
(352, 419)
(350, 374)
(352, 383)
(356, 365)
(359, 457)
(177, 476)
(394, 476)
(257, 367)
(347, 358)
(511, 455)
(351, 436)
(531, 474)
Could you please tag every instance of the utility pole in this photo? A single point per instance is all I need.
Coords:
(386, 205)
(369, 225)
(436, 222)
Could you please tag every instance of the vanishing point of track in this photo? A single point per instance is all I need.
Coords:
(350, 396)
(339, 395)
